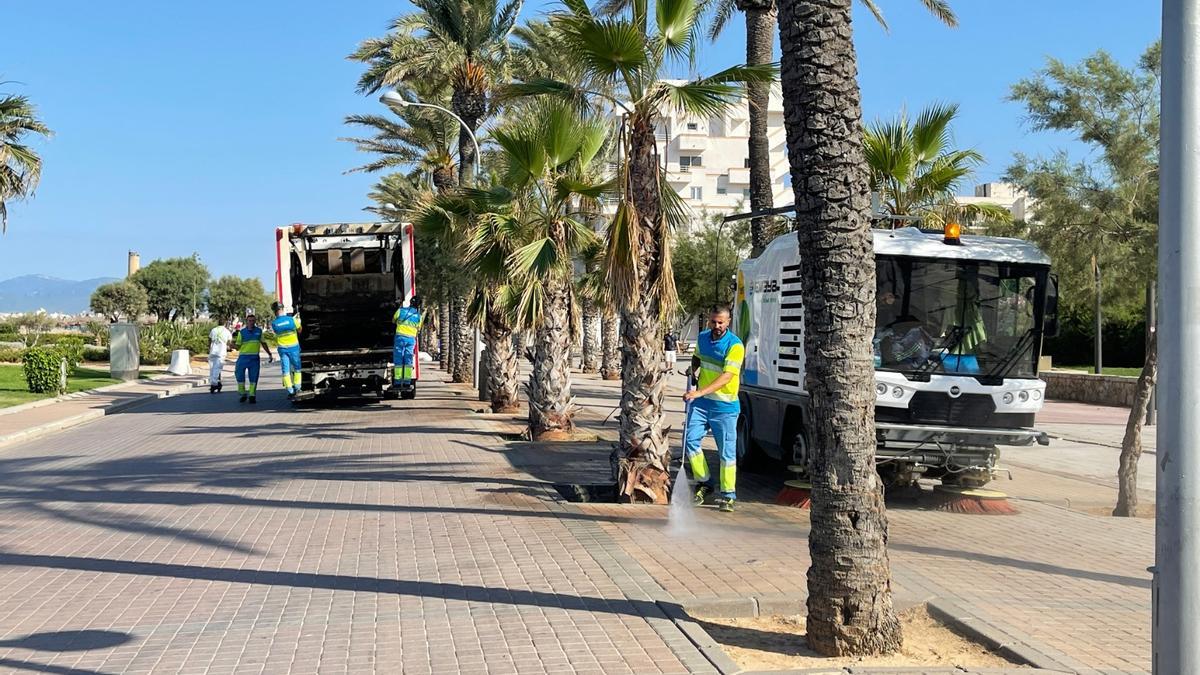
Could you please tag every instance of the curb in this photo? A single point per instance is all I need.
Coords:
(83, 418)
(998, 641)
(77, 395)
(944, 611)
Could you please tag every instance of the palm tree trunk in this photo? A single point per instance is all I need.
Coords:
(502, 363)
(760, 41)
(444, 341)
(591, 339)
(551, 407)
(850, 608)
(1131, 445)
(462, 364)
(644, 468)
(610, 363)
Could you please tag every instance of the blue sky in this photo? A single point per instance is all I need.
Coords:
(198, 127)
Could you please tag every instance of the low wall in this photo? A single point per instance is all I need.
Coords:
(1086, 388)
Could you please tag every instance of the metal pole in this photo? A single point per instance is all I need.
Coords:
(1099, 320)
(717, 267)
(1176, 588)
(1151, 327)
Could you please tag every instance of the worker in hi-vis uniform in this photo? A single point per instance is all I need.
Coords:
(717, 366)
(249, 342)
(408, 324)
(287, 342)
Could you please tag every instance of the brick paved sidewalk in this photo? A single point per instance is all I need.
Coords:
(194, 534)
(18, 422)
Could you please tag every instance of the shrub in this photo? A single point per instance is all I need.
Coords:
(71, 349)
(90, 353)
(42, 370)
(11, 354)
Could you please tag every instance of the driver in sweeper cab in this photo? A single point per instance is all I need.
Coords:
(713, 406)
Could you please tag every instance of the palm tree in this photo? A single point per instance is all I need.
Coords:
(462, 44)
(630, 52)
(850, 608)
(20, 165)
(422, 141)
(760, 42)
(916, 173)
(547, 158)
(592, 288)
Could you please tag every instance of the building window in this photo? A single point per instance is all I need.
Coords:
(721, 190)
(692, 126)
(697, 193)
(746, 193)
(746, 163)
(688, 161)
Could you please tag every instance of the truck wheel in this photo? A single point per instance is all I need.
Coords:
(390, 394)
(749, 455)
(410, 393)
(800, 453)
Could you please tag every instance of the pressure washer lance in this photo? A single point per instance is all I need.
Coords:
(680, 474)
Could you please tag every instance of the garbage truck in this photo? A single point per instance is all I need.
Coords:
(345, 281)
(958, 338)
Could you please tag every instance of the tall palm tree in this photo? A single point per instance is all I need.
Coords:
(849, 581)
(631, 52)
(592, 288)
(547, 158)
(20, 165)
(462, 44)
(422, 141)
(760, 42)
(915, 171)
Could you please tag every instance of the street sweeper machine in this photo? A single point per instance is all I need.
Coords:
(957, 343)
(345, 282)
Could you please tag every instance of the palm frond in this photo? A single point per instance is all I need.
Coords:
(877, 13)
(722, 12)
(941, 10)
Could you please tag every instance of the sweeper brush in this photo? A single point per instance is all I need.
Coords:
(959, 499)
(796, 493)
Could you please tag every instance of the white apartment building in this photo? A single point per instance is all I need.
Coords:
(707, 159)
(1006, 195)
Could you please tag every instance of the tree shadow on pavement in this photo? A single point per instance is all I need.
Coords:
(61, 642)
(1032, 565)
(339, 582)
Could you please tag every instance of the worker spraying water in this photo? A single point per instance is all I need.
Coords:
(714, 406)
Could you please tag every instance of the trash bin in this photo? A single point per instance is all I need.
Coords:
(124, 353)
(181, 362)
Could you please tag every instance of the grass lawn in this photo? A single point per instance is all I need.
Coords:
(1128, 372)
(14, 392)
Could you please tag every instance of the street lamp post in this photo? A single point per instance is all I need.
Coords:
(717, 266)
(395, 101)
(1176, 587)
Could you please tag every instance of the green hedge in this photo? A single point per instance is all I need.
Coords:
(1124, 337)
(42, 367)
(94, 353)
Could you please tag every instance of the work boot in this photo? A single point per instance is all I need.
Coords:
(242, 399)
(254, 399)
(212, 388)
(218, 387)
(725, 505)
(701, 494)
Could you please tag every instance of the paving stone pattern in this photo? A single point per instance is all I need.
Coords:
(194, 534)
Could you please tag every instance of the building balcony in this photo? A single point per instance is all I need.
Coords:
(739, 176)
(693, 142)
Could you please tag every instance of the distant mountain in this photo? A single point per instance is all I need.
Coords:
(37, 291)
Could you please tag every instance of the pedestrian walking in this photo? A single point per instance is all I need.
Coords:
(670, 349)
(249, 342)
(717, 365)
(287, 342)
(218, 346)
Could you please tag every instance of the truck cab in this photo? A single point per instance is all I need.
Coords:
(957, 342)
